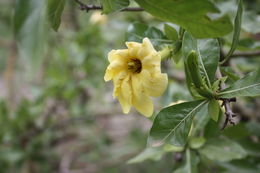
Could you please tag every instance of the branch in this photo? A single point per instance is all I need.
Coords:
(246, 54)
(226, 103)
(87, 8)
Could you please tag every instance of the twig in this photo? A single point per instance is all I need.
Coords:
(246, 54)
(226, 103)
(87, 8)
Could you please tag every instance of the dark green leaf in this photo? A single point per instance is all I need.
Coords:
(222, 149)
(212, 129)
(213, 109)
(254, 128)
(172, 124)
(170, 32)
(138, 31)
(54, 10)
(113, 5)
(247, 86)
(191, 15)
(177, 53)
(237, 28)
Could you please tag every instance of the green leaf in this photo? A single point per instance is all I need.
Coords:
(241, 166)
(172, 124)
(254, 128)
(237, 28)
(213, 109)
(113, 5)
(208, 54)
(200, 121)
(54, 10)
(212, 129)
(154, 153)
(247, 86)
(191, 163)
(30, 32)
(138, 31)
(191, 15)
(228, 71)
(197, 142)
(170, 32)
(222, 149)
(150, 153)
(177, 54)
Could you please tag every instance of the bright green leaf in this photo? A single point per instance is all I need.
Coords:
(191, 15)
(54, 11)
(170, 32)
(247, 86)
(213, 109)
(113, 5)
(197, 142)
(222, 149)
(172, 124)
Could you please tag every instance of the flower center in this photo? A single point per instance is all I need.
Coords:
(135, 65)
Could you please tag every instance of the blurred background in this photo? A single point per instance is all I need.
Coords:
(56, 112)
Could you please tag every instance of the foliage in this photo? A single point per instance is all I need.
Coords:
(56, 114)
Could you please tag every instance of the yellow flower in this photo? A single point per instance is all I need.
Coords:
(98, 18)
(136, 74)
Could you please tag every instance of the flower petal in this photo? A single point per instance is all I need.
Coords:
(154, 85)
(119, 55)
(134, 49)
(125, 95)
(152, 63)
(147, 48)
(113, 69)
(141, 101)
(117, 80)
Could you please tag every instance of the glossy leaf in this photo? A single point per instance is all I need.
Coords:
(172, 124)
(222, 149)
(54, 10)
(191, 15)
(213, 109)
(247, 86)
(113, 5)
(191, 163)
